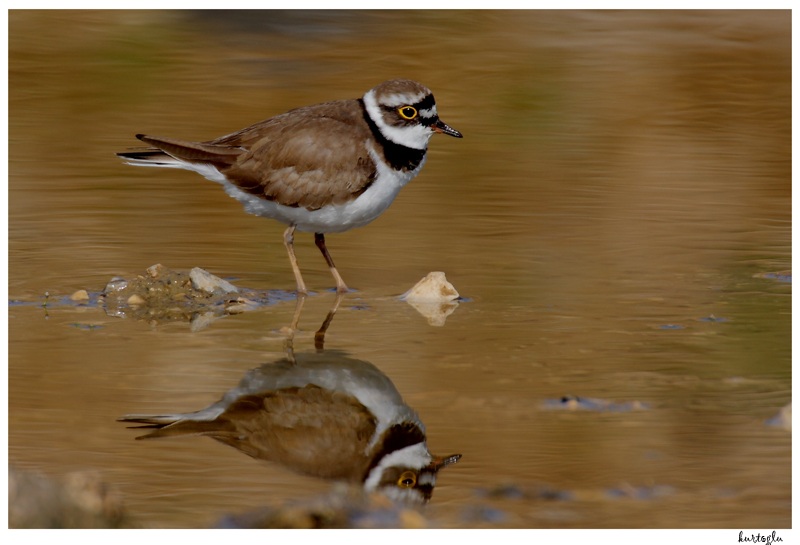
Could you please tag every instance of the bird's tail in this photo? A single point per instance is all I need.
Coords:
(169, 152)
(171, 425)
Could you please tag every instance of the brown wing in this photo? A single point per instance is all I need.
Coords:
(308, 157)
(310, 430)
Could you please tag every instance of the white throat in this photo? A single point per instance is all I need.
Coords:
(414, 136)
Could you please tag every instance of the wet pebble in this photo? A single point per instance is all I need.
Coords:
(433, 297)
(434, 288)
(114, 285)
(205, 281)
(80, 296)
(135, 300)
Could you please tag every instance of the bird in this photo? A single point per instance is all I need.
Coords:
(326, 415)
(325, 168)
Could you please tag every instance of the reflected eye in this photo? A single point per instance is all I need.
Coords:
(407, 480)
(407, 112)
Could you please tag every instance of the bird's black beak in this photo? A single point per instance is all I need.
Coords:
(440, 462)
(442, 127)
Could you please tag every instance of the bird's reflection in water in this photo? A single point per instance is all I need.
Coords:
(324, 414)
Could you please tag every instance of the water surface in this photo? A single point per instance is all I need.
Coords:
(615, 214)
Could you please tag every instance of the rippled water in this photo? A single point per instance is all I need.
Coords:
(617, 216)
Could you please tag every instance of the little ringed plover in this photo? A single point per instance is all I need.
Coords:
(323, 169)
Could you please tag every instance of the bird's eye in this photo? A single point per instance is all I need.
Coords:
(407, 480)
(407, 112)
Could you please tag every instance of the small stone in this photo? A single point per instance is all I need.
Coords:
(135, 300)
(155, 270)
(80, 296)
(434, 288)
(433, 297)
(114, 285)
(207, 282)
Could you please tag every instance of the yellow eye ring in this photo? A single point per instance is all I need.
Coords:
(407, 112)
(407, 480)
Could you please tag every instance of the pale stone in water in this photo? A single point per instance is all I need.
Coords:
(207, 282)
(434, 288)
(135, 300)
(433, 297)
(80, 296)
(155, 270)
(115, 284)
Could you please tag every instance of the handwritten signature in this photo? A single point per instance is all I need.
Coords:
(759, 538)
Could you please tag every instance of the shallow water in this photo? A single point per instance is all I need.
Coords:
(614, 217)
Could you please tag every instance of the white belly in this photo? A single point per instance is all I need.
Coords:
(333, 218)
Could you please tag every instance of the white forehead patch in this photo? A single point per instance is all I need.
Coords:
(401, 99)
